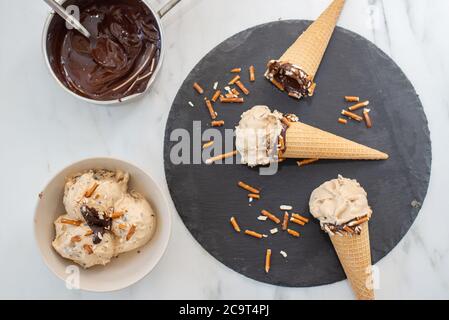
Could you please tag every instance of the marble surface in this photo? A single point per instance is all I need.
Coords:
(43, 129)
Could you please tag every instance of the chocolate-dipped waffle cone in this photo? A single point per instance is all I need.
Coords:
(354, 254)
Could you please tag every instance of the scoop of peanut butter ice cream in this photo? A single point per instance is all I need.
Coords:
(257, 136)
(136, 225)
(98, 189)
(339, 201)
(75, 241)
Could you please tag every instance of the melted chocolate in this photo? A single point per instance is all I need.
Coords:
(99, 225)
(117, 60)
(291, 78)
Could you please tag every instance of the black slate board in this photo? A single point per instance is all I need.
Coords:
(207, 196)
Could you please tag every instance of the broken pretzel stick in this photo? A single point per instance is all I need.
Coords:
(89, 192)
(297, 221)
(75, 239)
(351, 115)
(359, 222)
(209, 106)
(285, 222)
(71, 222)
(232, 100)
(352, 99)
(242, 87)
(131, 232)
(247, 187)
(88, 233)
(277, 84)
(219, 123)
(221, 157)
(305, 162)
(198, 88)
(235, 92)
(358, 106)
(300, 217)
(268, 260)
(216, 95)
(254, 196)
(366, 116)
(208, 144)
(88, 249)
(235, 224)
(342, 121)
(293, 233)
(270, 216)
(236, 70)
(252, 74)
(234, 80)
(253, 234)
(116, 215)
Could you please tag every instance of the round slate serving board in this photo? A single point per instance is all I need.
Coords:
(206, 196)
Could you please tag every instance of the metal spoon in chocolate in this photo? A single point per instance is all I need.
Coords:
(67, 17)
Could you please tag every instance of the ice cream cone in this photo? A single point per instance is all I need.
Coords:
(354, 254)
(308, 50)
(306, 142)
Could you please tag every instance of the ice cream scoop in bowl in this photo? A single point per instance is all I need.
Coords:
(77, 255)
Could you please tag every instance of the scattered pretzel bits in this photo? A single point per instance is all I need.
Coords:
(209, 106)
(71, 222)
(271, 216)
(268, 260)
(216, 95)
(293, 233)
(88, 249)
(131, 232)
(285, 221)
(352, 115)
(219, 123)
(352, 99)
(252, 74)
(198, 88)
(242, 87)
(236, 70)
(235, 224)
(254, 196)
(232, 100)
(342, 121)
(234, 80)
(208, 144)
(221, 157)
(89, 192)
(358, 106)
(305, 162)
(366, 116)
(297, 221)
(247, 187)
(75, 239)
(253, 234)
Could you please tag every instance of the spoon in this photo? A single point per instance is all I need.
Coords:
(67, 17)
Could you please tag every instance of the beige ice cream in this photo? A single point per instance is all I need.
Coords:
(76, 243)
(257, 136)
(111, 187)
(137, 224)
(103, 219)
(339, 202)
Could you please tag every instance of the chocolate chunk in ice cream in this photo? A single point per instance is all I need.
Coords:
(99, 223)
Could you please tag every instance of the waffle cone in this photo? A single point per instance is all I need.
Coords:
(307, 142)
(354, 254)
(308, 50)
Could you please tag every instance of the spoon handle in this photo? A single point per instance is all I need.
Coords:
(67, 17)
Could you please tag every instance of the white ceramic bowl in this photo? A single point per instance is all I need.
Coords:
(128, 268)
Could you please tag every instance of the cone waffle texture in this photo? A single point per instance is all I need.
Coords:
(307, 142)
(354, 254)
(308, 50)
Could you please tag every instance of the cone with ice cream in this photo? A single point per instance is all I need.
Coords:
(296, 69)
(341, 206)
(263, 136)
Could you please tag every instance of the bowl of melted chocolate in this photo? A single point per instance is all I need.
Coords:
(120, 59)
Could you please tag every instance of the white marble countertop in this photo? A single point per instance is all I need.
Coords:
(43, 129)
